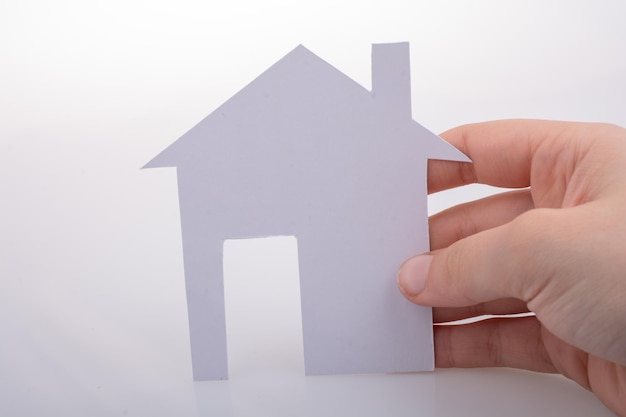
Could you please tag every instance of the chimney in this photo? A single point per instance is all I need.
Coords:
(391, 76)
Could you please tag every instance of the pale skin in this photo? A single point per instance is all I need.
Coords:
(556, 247)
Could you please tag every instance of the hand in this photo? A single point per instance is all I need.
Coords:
(557, 249)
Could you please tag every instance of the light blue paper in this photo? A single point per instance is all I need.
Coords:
(304, 150)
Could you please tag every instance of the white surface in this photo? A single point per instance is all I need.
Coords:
(92, 306)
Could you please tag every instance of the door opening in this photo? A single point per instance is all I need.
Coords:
(262, 301)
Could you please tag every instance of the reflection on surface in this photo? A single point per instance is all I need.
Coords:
(443, 393)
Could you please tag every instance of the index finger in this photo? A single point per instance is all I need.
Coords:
(501, 153)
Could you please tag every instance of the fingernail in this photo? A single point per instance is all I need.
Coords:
(412, 274)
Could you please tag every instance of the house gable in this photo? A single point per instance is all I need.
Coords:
(296, 78)
(300, 88)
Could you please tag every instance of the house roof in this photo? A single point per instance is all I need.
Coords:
(299, 87)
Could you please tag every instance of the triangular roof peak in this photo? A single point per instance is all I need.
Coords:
(305, 72)
(297, 66)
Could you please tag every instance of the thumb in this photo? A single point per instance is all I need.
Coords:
(503, 262)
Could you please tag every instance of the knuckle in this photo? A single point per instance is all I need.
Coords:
(531, 242)
(455, 271)
(494, 342)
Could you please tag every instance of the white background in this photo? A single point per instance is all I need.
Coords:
(92, 305)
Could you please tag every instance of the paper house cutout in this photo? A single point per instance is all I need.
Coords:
(305, 151)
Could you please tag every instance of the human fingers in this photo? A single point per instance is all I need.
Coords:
(513, 260)
(510, 342)
(497, 307)
(467, 219)
(524, 343)
(571, 277)
(501, 153)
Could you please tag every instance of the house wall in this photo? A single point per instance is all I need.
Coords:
(356, 219)
(202, 255)
(342, 173)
